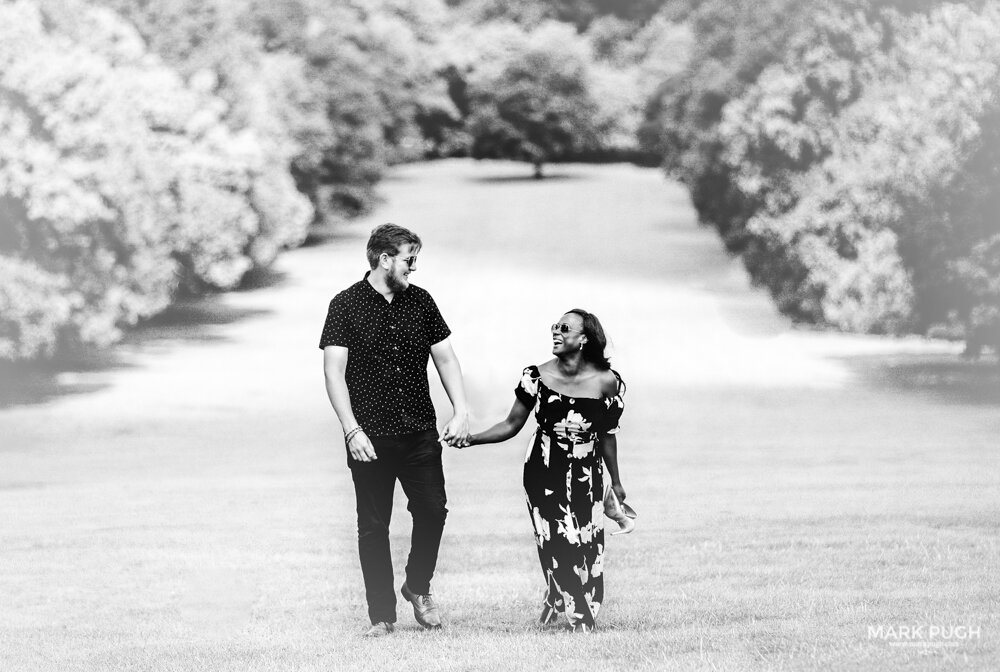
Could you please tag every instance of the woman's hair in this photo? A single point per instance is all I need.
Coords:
(593, 349)
(389, 238)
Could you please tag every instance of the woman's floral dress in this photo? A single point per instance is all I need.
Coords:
(564, 484)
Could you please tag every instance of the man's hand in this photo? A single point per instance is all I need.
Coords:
(460, 442)
(456, 432)
(361, 448)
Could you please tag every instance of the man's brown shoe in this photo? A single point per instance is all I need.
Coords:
(380, 630)
(424, 609)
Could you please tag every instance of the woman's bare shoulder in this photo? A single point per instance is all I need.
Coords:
(609, 383)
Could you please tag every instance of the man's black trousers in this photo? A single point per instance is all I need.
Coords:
(415, 460)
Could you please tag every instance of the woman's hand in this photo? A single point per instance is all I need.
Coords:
(459, 441)
(619, 491)
(457, 430)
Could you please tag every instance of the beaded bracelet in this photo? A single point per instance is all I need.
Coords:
(350, 434)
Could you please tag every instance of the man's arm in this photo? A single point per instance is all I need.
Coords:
(450, 372)
(335, 372)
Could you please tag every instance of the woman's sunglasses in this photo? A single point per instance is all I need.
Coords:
(564, 328)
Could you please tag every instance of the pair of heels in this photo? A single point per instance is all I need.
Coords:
(620, 512)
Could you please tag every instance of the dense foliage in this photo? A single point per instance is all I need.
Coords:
(849, 152)
(529, 94)
(540, 91)
(175, 145)
(338, 86)
(579, 13)
(118, 182)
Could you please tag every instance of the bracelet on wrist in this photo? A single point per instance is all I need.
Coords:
(351, 434)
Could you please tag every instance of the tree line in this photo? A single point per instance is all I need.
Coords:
(848, 151)
(845, 149)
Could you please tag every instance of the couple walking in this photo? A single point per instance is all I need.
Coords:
(378, 336)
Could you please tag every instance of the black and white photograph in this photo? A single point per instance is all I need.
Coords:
(513, 335)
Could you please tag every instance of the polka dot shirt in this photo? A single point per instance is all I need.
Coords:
(388, 346)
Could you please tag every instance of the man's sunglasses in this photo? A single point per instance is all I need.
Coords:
(409, 261)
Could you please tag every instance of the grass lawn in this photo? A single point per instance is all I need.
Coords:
(182, 503)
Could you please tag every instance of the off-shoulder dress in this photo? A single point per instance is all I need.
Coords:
(564, 485)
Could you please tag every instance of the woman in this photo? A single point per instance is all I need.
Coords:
(577, 400)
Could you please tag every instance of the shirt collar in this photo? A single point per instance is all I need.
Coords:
(374, 293)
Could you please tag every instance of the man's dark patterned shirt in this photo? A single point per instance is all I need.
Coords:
(388, 346)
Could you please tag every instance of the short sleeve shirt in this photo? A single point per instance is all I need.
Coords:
(388, 347)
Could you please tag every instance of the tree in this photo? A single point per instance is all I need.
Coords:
(580, 13)
(732, 43)
(375, 67)
(336, 88)
(856, 173)
(535, 102)
(118, 183)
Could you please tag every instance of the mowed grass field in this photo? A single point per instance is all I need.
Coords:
(182, 503)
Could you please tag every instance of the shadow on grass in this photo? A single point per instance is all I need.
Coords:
(948, 378)
(261, 278)
(37, 382)
(192, 319)
(527, 178)
(81, 370)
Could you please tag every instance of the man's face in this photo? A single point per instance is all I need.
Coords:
(402, 264)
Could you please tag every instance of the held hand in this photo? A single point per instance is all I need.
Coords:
(456, 432)
(361, 448)
(619, 491)
(460, 442)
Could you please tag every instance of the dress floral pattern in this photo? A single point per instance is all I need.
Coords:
(564, 486)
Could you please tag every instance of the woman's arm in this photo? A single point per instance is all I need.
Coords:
(609, 451)
(504, 429)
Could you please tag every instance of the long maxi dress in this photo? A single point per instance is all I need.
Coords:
(564, 485)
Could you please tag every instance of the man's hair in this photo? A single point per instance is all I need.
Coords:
(389, 238)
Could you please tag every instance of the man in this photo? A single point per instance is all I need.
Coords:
(378, 335)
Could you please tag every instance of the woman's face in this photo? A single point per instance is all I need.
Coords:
(567, 334)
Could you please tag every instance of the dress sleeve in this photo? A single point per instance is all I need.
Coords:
(616, 406)
(527, 388)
